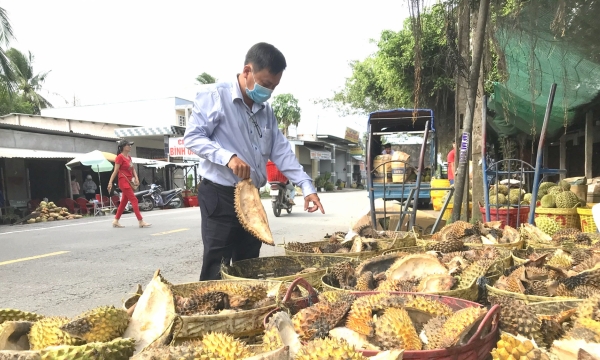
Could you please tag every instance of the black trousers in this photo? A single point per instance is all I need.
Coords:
(223, 236)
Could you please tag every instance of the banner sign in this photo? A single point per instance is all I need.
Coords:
(464, 148)
(356, 151)
(351, 135)
(177, 149)
(320, 155)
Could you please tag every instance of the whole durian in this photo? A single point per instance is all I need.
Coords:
(548, 201)
(497, 199)
(564, 184)
(555, 190)
(566, 200)
(527, 197)
(545, 186)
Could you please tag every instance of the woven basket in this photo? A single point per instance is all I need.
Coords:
(565, 218)
(470, 292)
(478, 347)
(281, 268)
(239, 324)
(518, 255)
(526, 298)
(586, 220)
(407, 241)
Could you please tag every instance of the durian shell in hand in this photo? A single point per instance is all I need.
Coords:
(250, 211)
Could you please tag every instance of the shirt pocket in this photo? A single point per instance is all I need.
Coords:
(266, 142)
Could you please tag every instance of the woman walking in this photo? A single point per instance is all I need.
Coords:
(127, 176)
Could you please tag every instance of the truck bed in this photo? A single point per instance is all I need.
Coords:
(393, 191)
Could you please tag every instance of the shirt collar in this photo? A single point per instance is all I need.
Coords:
(236, 93)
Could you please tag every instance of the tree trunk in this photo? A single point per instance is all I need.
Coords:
(477, 150)
(464, 36)
(478, 44)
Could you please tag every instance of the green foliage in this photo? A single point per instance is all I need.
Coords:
(286, 110)
(329, 186)
(189, 182)
(386, 79)
(27, 83)
(205, 78)
(13, 103)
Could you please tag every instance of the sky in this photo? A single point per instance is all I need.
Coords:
(114, 51)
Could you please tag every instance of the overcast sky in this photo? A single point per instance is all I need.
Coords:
(113, 51)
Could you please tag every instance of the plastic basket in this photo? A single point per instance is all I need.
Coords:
(477, 348)
(281, 268)
(565, 218)
(507, 216)
(274, 175)
(448, 212)
(586, 220)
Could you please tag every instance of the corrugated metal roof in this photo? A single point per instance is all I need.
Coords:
(55, 132)
(28, 153)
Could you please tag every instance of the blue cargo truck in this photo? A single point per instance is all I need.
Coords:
(405, 130)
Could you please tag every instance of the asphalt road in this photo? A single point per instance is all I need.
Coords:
(67, 267)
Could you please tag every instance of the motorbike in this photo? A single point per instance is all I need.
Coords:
(171, 198)
(144, 203)
(280, 198)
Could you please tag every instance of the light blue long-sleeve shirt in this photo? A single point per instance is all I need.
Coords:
(222, 125)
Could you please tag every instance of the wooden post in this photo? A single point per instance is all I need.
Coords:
(589, 143)
(563, 154)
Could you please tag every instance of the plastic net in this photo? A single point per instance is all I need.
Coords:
(546, 42)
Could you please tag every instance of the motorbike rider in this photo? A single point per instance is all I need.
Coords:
(292, 191)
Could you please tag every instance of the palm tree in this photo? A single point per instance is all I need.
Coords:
(28, 85)
(205, 78)
(6, 35)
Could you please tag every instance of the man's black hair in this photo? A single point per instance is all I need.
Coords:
(388, 145)
(265, 56)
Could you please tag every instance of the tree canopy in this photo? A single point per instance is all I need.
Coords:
(205, 78)
(286, 110)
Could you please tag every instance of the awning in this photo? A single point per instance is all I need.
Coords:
(358, 158)
(149, 131)
(40, 154)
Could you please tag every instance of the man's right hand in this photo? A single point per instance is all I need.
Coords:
(239, 167)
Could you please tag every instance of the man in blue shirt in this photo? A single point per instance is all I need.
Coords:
(234, 131)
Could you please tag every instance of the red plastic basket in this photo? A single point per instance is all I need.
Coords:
(273, 174)
(193, 201)
(508, 216)
(478, 348)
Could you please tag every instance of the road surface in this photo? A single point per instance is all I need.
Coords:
(67, 267)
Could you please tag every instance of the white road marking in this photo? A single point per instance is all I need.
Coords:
(90, 222)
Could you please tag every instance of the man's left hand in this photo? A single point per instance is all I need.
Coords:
(314, 198)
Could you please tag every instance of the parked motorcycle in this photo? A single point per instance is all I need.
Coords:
(280, 198)
(144, 203)
(171, 198)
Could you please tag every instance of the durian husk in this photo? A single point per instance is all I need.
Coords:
(222, 346)
(430, 306)
(360, 317)
(46, 332)
(250, 211)
(18, 315)
(395, 330)
(329, 349)
(460, 323)
(102, 324)
(116, 349)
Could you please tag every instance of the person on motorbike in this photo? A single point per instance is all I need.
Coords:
(292, 191)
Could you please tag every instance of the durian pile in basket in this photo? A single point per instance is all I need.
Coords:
(537, 237)
(548, 330)
(454, 236)
(50, 212)
(365, 239)
(559, 195)
(504, 197)
(454, 273)
(95, 334)
(374, 322)
(574, 274)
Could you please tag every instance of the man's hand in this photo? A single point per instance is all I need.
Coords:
(239, 167)
(316, 203)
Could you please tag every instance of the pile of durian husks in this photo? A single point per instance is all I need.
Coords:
(365, 238)
(570, 334)
(382, 321)
(560, 273)
(452, 237)
(425, 272)
(95, 334)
